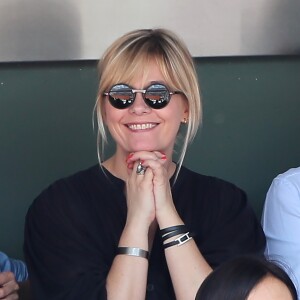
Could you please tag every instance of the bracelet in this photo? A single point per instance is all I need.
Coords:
(171, 229)
(133, 251)
(174, 233)
(179, 241)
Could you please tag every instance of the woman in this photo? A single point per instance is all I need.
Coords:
(139, 225)
(250, 278)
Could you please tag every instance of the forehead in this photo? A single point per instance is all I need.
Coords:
(141, 69)
(149, 73)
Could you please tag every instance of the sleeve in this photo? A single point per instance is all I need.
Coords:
(18, 267)
(63, 263)
(3, 262)
(232, 228)
(281, 223)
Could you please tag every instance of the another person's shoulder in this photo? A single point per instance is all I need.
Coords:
(290, 175)
(284, 186)
(282, 199)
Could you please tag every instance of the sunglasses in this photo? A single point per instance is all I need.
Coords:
(156, 95)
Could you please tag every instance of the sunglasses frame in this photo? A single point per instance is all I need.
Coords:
(143, 92)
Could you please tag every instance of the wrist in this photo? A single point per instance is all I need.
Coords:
(135, 231)
(168, 217)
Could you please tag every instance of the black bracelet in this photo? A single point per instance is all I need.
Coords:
(171, 229)
(174, 233)
(179, 241)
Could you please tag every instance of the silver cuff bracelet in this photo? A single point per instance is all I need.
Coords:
(133, 251)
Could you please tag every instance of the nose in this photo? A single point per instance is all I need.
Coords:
(139, 107)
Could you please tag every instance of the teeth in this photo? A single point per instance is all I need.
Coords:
(141, 126)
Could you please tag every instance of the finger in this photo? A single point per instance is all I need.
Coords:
(9, 290)
(134, 178)
(6, 277)
(156, 166)
(13, 296)
(161, 155)
(145, 155)
(148, 175)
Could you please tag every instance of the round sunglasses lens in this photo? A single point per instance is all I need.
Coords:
(157, 96)
(121, 96)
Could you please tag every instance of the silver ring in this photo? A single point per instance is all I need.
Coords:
(140, 170)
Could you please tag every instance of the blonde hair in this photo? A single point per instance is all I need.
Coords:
(129, 54)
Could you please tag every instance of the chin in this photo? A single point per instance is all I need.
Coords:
(145, 148)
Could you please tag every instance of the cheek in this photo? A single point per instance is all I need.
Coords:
(175, 113)
(113, 119)
(110, 114)
(179, 107)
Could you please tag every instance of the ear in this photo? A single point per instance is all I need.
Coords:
(185, 120)
(185, 116)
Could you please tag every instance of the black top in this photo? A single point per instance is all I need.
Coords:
(73, 229)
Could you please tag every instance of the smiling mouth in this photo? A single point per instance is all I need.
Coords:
(143, 126)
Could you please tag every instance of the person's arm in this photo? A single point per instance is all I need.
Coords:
(70, 242)
(8, 286)
(224, 224)
(186, 264)
(127, 278)
(281, 223)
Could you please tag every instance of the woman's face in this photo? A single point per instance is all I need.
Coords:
(270, 288)
(140, 127)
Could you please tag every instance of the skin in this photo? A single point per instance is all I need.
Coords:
(270, 288)
(149, 200)
(8, 286)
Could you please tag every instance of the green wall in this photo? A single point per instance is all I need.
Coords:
(250, 129)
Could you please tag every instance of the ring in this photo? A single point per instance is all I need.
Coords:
(140, 170)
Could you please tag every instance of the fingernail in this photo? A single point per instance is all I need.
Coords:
(129, 156)
(163, 155)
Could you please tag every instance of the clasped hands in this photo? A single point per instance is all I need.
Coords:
(148, 195)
